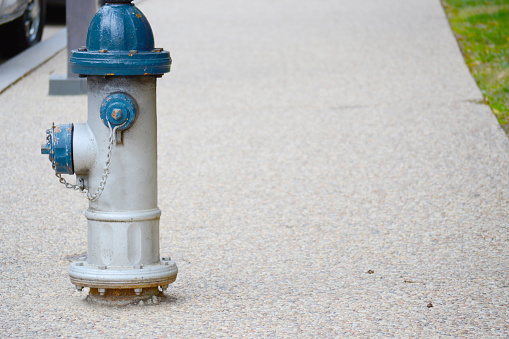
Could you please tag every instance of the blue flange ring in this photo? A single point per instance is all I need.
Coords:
(119, 109)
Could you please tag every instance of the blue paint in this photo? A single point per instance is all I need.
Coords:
(119, 109)
(120, 42)
(59, 148)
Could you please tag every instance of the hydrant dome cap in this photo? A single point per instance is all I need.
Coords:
(120, 28)
(120, 42)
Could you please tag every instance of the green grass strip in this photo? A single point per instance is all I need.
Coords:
(482, 30)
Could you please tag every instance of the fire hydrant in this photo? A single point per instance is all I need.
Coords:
(114, 158)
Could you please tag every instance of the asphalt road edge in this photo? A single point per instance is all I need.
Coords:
(25, 62)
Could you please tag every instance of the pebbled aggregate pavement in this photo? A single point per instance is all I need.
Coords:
(325, 170)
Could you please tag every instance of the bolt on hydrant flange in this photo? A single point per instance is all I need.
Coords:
(114, 158)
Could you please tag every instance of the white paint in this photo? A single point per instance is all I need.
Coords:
(123, 224)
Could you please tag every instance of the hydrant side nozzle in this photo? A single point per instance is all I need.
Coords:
(59, 148)
(85, 150)
(119, 109)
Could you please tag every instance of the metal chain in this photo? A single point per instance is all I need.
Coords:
(104, 178)
(68, 185)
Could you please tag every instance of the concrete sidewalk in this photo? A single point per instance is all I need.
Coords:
(301, 145)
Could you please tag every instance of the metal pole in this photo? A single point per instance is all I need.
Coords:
(79, 13)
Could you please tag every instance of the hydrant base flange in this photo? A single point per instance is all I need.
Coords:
(85, 275)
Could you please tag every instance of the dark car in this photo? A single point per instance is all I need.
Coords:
(21, 24)
(62, 2)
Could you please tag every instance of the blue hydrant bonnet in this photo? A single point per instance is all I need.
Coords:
(120, 42)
